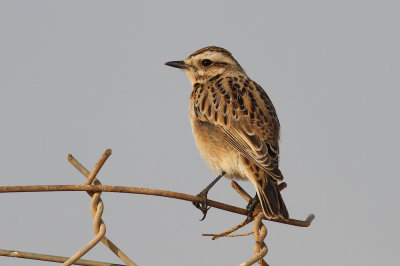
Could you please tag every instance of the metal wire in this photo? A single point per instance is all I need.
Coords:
(259, 229)
(94, 188)
(45, 257)
(99, 227)
(260, 248)
(96, 207)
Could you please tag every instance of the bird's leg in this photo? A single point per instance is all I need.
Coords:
(251, 206)
(203, 194)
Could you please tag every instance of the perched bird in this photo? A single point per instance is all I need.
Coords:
(235, 126)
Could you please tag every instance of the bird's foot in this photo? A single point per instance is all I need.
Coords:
(202, 206)
(251, 206)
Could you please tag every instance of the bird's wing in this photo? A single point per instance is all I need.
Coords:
(242, 109)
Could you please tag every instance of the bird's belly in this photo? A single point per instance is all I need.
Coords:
(218, 154)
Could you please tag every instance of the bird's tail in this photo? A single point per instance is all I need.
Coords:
(271, 200)
(267, 189)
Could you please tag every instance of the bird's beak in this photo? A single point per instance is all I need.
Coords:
(177, 64)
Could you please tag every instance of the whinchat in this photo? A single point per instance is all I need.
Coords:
(234, 125)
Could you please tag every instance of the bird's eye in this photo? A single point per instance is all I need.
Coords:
(206, 62)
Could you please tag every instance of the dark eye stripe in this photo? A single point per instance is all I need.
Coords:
(220, 64)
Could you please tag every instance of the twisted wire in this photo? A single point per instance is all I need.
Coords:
(94, 188)
(96, 207)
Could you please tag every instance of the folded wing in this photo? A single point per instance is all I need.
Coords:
(242, 109)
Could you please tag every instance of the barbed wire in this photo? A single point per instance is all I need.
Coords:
(94, 188)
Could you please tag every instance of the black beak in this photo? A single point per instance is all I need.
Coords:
(177, 64)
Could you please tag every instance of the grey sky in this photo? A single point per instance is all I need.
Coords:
(82, 76)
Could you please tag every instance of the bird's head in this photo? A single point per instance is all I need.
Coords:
(207, 63)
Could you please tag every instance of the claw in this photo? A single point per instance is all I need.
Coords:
(251, 206)
(202, 206)
(204, 214)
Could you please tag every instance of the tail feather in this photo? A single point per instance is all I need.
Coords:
(266, 185)
(283, 210)
(271, 200)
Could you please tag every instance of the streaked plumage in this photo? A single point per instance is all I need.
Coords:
(234, 124)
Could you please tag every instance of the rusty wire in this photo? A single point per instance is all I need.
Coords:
(94, 188)
(99, 227)
(146, 191)
(259, 229)
(45, 257)
(96, 207)
(260, 248)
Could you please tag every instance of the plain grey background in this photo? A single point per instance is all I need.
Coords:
(82, 76)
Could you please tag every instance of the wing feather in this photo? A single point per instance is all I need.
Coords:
(242, 109)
